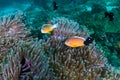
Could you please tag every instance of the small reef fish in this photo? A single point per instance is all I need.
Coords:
(110, 15)
(55, 5)
(48, 28)
(77, 41)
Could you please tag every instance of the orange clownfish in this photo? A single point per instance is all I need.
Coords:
(77, 41)
(48, 28)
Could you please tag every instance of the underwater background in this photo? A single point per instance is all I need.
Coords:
(27, 53)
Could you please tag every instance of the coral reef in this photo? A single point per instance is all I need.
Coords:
(50, 59)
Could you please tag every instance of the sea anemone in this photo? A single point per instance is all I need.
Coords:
(86, 62)
(12, 30)
(26, 62)
(51, 59)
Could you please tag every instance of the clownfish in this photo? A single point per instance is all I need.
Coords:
(48, 28)
(77, 41)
